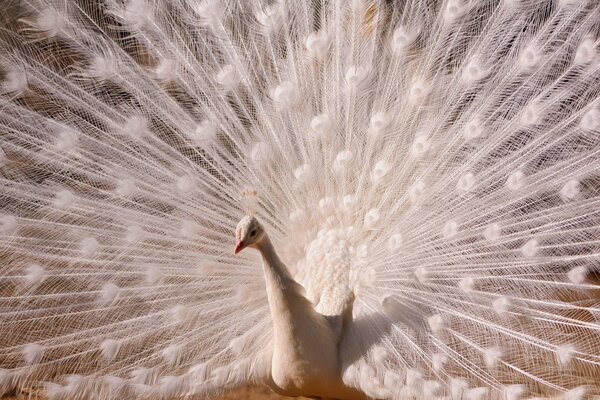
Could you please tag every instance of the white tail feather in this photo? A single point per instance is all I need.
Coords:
(427, 170)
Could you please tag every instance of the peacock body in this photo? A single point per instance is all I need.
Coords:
(427, 172)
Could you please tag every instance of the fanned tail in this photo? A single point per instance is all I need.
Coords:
(435, 160)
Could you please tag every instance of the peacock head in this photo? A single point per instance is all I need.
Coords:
(248, 232)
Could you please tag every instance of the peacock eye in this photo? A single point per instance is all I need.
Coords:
(253, 233)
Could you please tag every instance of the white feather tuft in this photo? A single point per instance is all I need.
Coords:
(532, 114)
(64, 199)
(210, 11)
(570, 190)
(466, 183)
(66, 141)
(76, 385)
(419, 90)
(492, 232)
(33, 353)
(380, 354)
(530, 248)
(473, 129)
(170, 387)
(109, 293)
(317, 44)
(102, 69)
(420, 145)
(199, 372)
(134, 233)
(450, 229)
(380, 170)
(436, 323)
(110, 349)
(356, 76)
(272, 16)
(565, 353)
(285, 94)
(88, 246)
(35, 274)
(137, 14)
(438, 360)
(578, 393)
(379, 122)
(205, 133)
(135, 126)
(8, 224)
(500, 305)
(403, 38)
(154, 274)
(180, 313)
(297, 216)
(172, 354)
(394, 242)
(455, 9)
(514, 392)
(458, 386)
(466, 284)
(586, 52)
(371, 218)
(165, 71)
(7, 383)
(116, 386)
(530, 57)
(54, 391)
(474, 71)
(415, 192)
(578, 274)
(590, 120)
(303, 173)
(516, 180)
(491, 357)
(261, 153)
(321, 124)
(143, 375)
(392, 380)
(15, 82)
(185, 184)
(125, 187)
(228, 77)
(326, 205)
(479, 393)
(343, 160)
(431, 389)
(414, 379)
(422, 274)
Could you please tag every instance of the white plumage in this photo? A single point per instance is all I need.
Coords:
(426, 174)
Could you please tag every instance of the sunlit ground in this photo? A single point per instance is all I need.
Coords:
(254, 393)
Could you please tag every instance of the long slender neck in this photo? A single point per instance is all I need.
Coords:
(282, 289)
(275, 270)
(286, 300)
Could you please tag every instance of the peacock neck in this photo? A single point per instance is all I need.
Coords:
(305, 353)
(275, 270)
(286, 300)
(282, 290)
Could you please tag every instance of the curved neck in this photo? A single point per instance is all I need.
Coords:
(282, 289)
(274, 269)
(286, 299)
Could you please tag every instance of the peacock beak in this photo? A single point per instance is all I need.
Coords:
(239, 246)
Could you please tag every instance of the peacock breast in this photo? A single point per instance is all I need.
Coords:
(330, 270)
